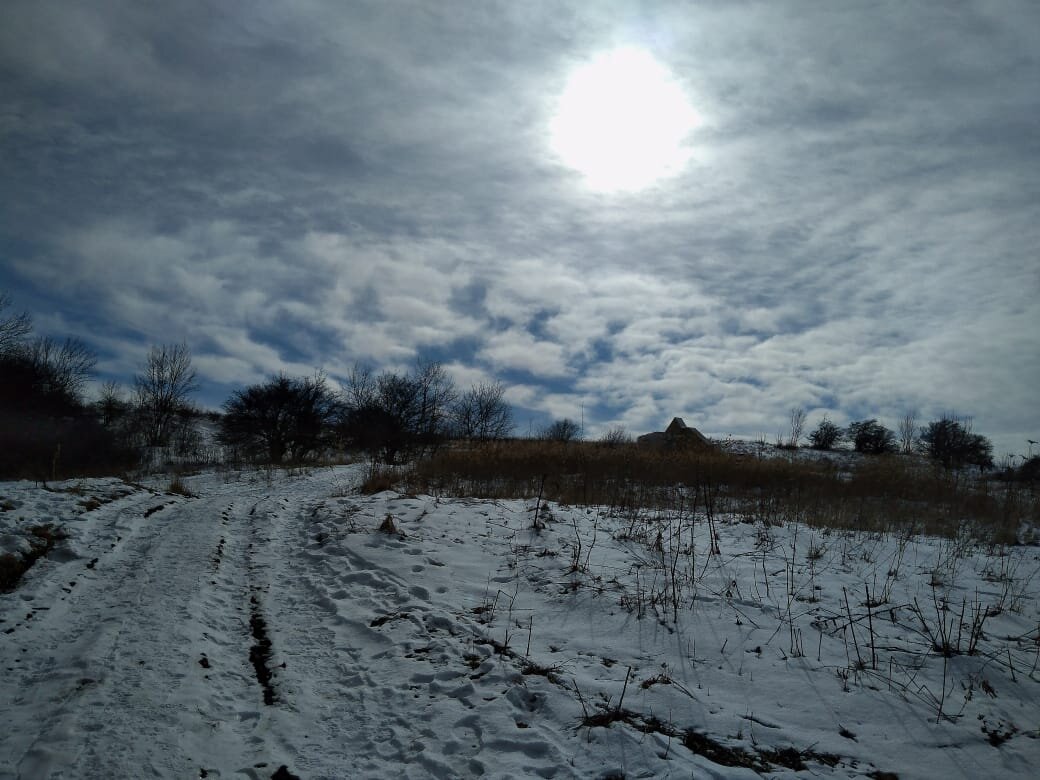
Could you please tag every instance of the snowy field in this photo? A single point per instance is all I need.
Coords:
(266, 622)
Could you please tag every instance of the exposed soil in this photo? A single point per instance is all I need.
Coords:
(759, 760)
(260, 652)
(13, 567)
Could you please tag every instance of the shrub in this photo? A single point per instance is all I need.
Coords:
(616, 437)
(871, 437)
(562, 430)
(826, 435)
(282, 418)
(952, 443)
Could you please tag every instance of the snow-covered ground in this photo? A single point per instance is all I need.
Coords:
(266, 621)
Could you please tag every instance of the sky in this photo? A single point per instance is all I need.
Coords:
(841, 213)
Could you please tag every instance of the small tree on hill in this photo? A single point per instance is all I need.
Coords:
(826, 435)
(908, 431)
(871, 437)
(162, 389)
(952, 442)
(797, 426)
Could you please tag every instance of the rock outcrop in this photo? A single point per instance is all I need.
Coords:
(678, 435)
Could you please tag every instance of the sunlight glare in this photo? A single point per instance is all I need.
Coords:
(622, 122)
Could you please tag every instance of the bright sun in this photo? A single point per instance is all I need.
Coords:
(622, 122)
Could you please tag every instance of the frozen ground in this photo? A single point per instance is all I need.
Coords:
(268, 622)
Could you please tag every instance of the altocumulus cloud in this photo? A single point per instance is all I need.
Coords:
(288, 186)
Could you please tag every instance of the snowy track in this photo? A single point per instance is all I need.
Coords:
(128, 654)
(267, 622)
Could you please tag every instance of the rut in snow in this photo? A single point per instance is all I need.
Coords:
(260, 652)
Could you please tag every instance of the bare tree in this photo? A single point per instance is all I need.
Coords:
(68, 364)
(361, 387)
(908, 431)
(162, 389)
(482, 413)
(435, 394)
(13, 327)
(110, 403)
(797, 426)
(617, 436)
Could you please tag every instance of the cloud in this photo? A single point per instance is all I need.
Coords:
(517, 350)
(287, 189)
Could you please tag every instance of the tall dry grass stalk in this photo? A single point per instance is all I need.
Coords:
(873, 493)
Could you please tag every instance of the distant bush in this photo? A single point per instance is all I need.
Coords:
(871, 437)
(952, 443)
(616, 437)
(561, 430)
(826, 435)
(397, 416)
(282, 418)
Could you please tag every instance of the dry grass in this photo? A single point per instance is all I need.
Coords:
(874, 493)
(178, 487)
(378, 480)
(388, 526)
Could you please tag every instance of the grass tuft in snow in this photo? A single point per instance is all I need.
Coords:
(378, 480)
(388, 526)
(178, 487)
